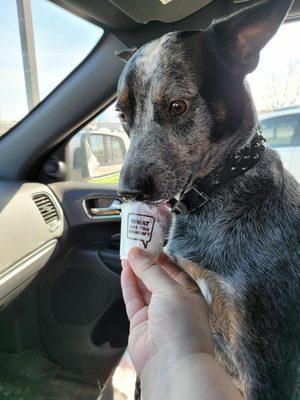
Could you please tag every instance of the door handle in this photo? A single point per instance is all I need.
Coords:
(113, 210)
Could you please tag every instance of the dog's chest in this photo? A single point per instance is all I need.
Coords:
(225, 316)
(220, 297)
(205, 290)
(200, 247)
(203, 240)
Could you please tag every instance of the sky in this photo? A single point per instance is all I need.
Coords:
(274, 59)
(63, 40)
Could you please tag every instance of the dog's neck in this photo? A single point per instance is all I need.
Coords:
(246, 150)
(246, 128)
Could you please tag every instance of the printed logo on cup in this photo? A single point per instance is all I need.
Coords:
(140, 227)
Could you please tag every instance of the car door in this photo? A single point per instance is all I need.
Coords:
(63, 323)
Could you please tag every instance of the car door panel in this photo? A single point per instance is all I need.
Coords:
(82, 315)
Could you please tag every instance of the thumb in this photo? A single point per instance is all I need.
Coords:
(151, 274)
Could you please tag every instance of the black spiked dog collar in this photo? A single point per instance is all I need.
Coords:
(236, 165)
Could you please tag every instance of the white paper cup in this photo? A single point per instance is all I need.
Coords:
(144, 226)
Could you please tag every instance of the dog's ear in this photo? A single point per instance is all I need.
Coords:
(126, 55)
(244, 34)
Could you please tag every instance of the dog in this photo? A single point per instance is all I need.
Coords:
(194, 133)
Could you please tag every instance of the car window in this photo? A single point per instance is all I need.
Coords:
(41, 44)
(97, 152)
(108, 149)
(275, 86)
(282, 131)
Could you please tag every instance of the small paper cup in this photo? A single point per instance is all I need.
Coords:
(144, 226)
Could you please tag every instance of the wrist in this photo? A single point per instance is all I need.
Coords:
(172, 380)
(197, 375)
(168, 362)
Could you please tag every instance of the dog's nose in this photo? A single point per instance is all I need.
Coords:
(136, 187)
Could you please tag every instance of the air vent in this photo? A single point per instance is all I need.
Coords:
(47, 209)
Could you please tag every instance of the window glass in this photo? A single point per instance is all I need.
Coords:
(97, 152)
(117, 150)
(276, 90)
(108, 149)
(41, 44)
(282, 131)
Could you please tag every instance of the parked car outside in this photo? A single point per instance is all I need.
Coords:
(282, 131)
(97, 156)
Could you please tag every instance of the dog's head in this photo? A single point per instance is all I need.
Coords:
(182, 100)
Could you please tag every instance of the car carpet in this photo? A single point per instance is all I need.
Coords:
(30, 376)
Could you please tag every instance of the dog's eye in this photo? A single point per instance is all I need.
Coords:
(178, 107)
(122, 117)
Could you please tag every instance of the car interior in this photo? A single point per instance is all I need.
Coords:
(63, 324)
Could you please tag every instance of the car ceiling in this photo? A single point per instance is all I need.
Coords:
(128, 14)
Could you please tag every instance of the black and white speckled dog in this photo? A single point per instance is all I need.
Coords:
(185, 104)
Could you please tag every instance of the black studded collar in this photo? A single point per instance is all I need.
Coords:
(235, 166)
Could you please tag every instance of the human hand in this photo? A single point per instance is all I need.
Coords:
(167, 312)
